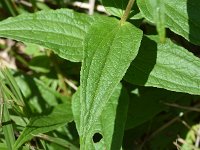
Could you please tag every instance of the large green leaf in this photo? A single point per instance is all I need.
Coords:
(165, 66)
(61, 30)
(181, 16)
(148, 103)
(110, 124)
(109, 48)
(60, 116)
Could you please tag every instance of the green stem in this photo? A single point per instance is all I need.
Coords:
(127, 11)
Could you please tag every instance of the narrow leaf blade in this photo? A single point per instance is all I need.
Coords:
(7, 127)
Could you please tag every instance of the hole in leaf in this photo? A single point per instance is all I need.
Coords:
(97, 137)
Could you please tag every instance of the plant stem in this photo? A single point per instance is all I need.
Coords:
(127, 11)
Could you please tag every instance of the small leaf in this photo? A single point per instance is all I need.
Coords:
(108, 53)
(167, 66)
(110, 124)
(181, 16)
(60, 116)
(61, 30)
(118, 7)
(114, 7)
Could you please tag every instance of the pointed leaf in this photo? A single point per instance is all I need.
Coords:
(181, 16)
(60, 116)
(60, 30)
(167, 66)
(107, 55)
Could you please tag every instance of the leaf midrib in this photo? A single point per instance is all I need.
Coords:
(90, 118)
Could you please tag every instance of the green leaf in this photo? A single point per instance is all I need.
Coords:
(38, 94)
(33, 49)
(165, 66)
(40, 63)
(12, 92)
(6, 80)
(14, 88)
(110, 124)
(181, 16)
(191, 138)
(108, 53)
(3, 146)
(61, 30)
(159, 17)
(7, 126)
(60, 116)
(62, 142)
(148, 103)
(118, 7)
(114, 7)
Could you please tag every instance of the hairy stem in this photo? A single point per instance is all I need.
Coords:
(127, 11)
